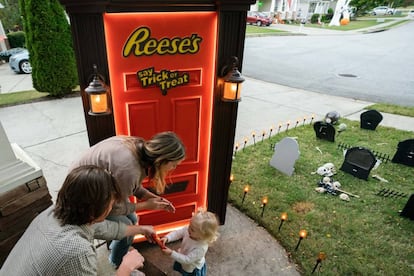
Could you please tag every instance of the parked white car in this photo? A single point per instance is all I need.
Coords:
(383, 10)
(19, 62)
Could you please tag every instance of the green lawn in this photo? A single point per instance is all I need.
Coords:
(353, 25)
(365, 236)
(21, 97)
(252, 29)
(9, 99)
(393, 109)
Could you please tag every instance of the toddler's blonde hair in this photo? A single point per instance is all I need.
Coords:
(207, 224)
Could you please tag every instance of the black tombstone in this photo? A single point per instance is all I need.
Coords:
(358, 162)
(405, 153)
(370, 119)
(324, 131)
(408, 210)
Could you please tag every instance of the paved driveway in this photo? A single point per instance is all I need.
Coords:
(12, 82)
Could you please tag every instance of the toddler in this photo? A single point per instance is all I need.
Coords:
(196, 237)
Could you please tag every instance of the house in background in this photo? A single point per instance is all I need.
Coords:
(283, 10)
(3, 37)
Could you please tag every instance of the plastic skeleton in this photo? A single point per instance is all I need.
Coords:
(328, 185)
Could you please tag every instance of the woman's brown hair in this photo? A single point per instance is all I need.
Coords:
(152, 154)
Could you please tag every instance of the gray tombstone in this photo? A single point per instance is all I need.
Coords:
(285, 155)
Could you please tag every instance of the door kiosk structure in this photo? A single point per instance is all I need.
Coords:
(163, 64)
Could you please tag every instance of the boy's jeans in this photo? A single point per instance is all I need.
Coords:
(120, 247)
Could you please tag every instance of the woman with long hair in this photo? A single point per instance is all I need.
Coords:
(131, 160)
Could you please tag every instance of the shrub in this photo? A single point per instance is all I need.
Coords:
(16, 39)
(314, 18)
(50, 45)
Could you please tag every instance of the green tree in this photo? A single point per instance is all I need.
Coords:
(10, 15)
(49, 42)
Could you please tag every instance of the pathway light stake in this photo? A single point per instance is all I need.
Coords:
(236, 148)
(283, 217)
(297, 122)
(254, 138)
(302, 235)
(264, 202)
(246, 190)
(321, 257)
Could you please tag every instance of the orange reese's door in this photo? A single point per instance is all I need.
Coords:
(162, 68)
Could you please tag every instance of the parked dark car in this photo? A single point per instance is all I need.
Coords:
(258, 18)
(6, 54)
(19, 62)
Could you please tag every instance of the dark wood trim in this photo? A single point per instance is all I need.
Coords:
(89, 45)
(231, 43)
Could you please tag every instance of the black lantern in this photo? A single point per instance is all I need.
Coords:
(232, 80)
(97, 95)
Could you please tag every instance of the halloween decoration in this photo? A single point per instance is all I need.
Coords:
(332, 117)
(405, 153)
(370, 119)
(324, 131)
(358, 162)
(328, 185)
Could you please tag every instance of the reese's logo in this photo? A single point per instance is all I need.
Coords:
(140, 43)
(164, 79)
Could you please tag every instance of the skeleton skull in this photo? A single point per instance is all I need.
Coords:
(326, 180)
(320, 190)
(330, 167)
(322, 171)
(344, 197)
(336, 185)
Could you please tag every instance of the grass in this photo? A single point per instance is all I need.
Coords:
(21, 97)
(251, 29)
(393, 109)
(365, 236)
(353, 25)
(10, 99)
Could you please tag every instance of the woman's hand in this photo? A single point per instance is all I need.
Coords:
(160, 203)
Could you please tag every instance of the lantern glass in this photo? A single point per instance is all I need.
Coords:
(231, 91)
(99, 103)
